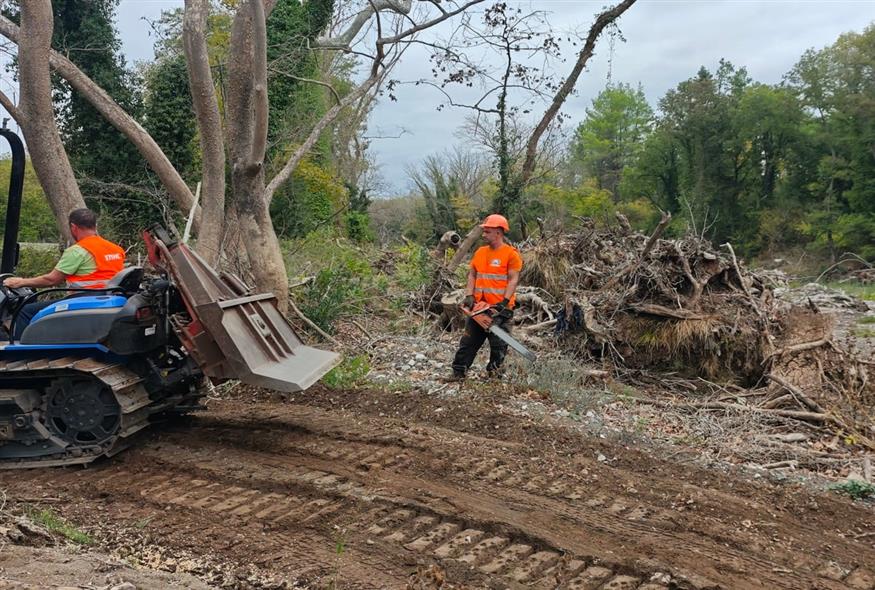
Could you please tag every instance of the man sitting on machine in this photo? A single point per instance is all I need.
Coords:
(88, 264)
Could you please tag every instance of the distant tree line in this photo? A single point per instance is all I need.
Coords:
(766, 167)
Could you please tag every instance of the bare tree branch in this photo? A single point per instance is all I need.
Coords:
(286, 172)
(344, 40)
(309, 81)
(603, 20)
(430, 23)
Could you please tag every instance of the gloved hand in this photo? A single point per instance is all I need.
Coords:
(468, 302)
(501, 306)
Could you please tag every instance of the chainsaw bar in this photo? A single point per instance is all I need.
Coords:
(513, 343)
(480, 311)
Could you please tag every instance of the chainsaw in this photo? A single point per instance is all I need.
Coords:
(480, 314)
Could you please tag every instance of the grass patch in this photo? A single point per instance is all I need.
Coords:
(560, 379)
(864, 333)
(867, 319)
(858, 290)
(349, 373)
(857, 490)
(55, 524)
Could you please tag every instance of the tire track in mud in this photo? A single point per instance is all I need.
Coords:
(400, 499)
(610, 519)
(395, 527)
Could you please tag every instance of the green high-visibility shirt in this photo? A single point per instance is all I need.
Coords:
(76, 260)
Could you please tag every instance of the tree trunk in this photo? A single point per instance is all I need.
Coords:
(262, 246)
(206, 109)
(247, 134)
(40, 131)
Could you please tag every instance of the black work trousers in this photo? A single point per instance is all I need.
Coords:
(473, 339)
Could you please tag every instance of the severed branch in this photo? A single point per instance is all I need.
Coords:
(747, 292)
(10, 107)
(312, 324)
(797, 393)
(798, 348)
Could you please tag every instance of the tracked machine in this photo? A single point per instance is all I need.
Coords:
(90, 371)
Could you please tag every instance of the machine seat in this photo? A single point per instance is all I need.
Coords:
(128, 279)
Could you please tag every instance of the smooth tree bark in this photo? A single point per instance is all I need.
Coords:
(247, 139)
(206, 108)
(37, 116)
(242, 144)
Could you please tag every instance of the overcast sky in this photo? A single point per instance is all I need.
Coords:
(666, 42)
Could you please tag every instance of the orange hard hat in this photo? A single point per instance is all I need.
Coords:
(496, 220)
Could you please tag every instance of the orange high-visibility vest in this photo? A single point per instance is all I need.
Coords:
(492, 268)
(109, 258)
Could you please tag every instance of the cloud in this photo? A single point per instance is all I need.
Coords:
(666, 42)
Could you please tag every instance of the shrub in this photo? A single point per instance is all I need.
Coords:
(414, 269)
(348, 373)
(35, 261)
(343, 281)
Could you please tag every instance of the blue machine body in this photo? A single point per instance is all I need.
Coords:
(79, 303)
(77, 325)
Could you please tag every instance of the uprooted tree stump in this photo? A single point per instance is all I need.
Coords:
(647, 302)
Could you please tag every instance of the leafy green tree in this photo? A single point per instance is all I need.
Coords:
(442, 188)
(313, 199)
(295, 102)
(699, 116)
(609, 140)
(836, 85)
(85, 33)
(167, 112)
(358, 220)
(657, 173)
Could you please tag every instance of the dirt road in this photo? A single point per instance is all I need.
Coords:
(376, 490)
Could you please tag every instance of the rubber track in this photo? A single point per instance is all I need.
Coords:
(126, 387)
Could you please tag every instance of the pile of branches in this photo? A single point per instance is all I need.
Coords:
(684, 309)
(640, 301)
(687, 308)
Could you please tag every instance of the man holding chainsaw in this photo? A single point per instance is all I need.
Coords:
(492, 280)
